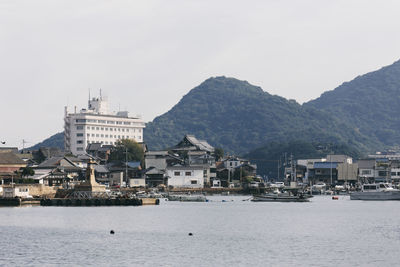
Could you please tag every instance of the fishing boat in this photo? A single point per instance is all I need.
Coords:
(381, 191)
(281, 197)
(187, 198)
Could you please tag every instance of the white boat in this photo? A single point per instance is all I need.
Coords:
(381, 191)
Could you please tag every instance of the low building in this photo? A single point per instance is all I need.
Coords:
(185, 176)
(9, 164)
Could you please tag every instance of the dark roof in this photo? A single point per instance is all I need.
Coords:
(325, 165)
(10, 158)
(55, 162)
(93, 147)
(101, 168)
(9, 149)
(190, 142)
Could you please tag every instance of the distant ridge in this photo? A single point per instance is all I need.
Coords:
(371, 103)
(239, 117)
(56, 140)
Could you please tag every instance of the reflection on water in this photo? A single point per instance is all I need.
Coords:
(226, 232)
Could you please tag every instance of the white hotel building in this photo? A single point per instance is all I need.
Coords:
(97, 125)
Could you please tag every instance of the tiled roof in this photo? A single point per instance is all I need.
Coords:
(10, 158)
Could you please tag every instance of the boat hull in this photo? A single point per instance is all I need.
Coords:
(280, 199)
(376, 196)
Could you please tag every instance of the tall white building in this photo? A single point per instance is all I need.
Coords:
(97, 125)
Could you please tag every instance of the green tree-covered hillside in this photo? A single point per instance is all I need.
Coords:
(240, 117)
(370, 102)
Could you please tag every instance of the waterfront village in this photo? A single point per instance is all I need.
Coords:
(191, 165)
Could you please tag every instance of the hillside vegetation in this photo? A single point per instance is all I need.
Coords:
(239, 117)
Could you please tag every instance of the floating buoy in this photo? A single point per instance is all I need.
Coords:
(335, 198)
(190, 234)
(112, 232)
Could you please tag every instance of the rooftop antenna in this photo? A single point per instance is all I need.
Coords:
(23, 143)
(101, 98)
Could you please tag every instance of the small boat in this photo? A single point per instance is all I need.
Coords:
(381, 191)
(281, 197)
(187, 198)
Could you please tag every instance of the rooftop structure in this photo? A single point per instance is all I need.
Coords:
(98, 125)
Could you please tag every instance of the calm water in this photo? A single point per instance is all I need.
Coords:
(323, 232)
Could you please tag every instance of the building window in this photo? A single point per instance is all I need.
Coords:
(79, 127)
(88, 135)
(111, 129)
(79, 142)
(102, 128)
(127, 123)
(102, 135)
(127, 130)
(110, 122)
(97, 128)
(92, 135)
(106, 129)
(97, 135)
(88, 127)
(102, 121)
(177, 174)
(79, 148)
(123, 129)
(80, 120)
(193, 181)
(188, 173)
(79, 134)
(106, 135)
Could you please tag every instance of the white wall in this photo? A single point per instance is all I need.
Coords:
(194, 180)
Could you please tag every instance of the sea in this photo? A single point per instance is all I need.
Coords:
(226, 231)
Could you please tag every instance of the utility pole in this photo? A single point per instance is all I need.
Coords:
(330, 158)
(126, 166)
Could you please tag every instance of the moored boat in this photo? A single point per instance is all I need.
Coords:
(281, 197)
(377, 192)
(187, 198)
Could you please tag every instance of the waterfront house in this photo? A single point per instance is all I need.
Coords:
(10, 163)
(185, 176)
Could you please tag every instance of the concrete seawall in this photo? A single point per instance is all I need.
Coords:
(68, 202)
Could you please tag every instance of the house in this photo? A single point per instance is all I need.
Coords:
(185, 176)
(366, 170)
(99, 151)
(9, 164)
(11, 191)
(191, 143)
(121, 172)
(156, 163)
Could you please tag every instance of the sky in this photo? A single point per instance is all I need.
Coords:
(146, 55)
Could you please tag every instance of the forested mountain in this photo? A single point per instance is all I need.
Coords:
(361, 115)
(240, 117)
(370, 102)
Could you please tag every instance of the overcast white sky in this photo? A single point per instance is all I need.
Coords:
(145, 55)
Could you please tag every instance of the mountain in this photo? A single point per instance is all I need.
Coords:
(240, 117)
(370, 102)
(56, 140)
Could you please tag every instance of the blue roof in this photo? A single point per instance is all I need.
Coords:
(133, 164)
(325, 165)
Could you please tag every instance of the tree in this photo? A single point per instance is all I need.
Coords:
(27, 171)
(133, 149)
(219, 153)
